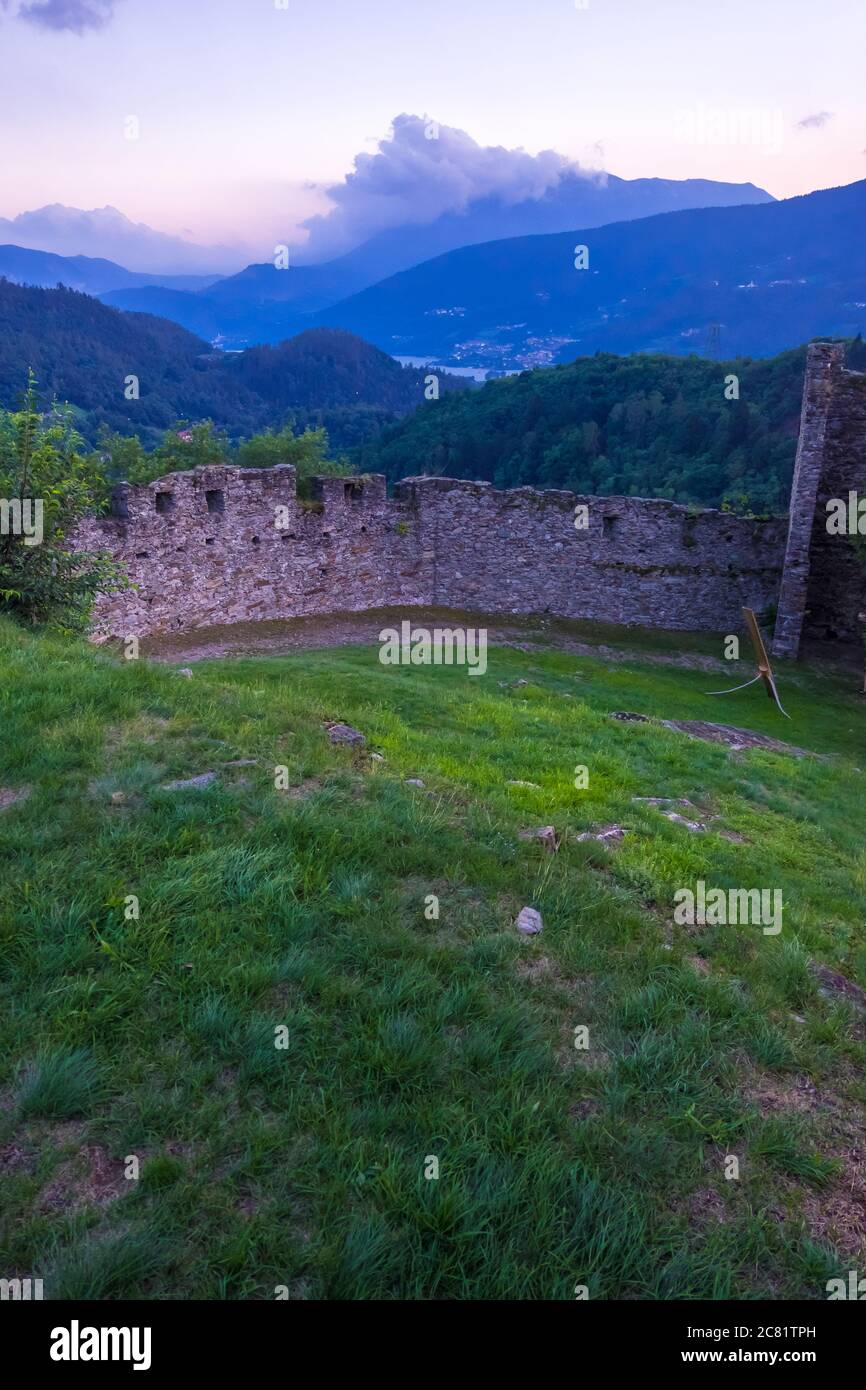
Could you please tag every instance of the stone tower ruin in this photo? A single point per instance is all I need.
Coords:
(823, 590)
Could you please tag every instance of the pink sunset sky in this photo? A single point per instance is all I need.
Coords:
(248, 110)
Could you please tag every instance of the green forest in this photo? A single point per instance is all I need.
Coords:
(645, 425)
(690, 429)
(83, 353)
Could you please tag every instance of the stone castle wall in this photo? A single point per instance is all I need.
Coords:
(824, 586)
(229, 545)
(226, 545)
(645, 562)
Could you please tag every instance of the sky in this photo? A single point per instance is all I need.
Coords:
(249, 111)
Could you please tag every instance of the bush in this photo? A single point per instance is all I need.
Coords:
(46, 486)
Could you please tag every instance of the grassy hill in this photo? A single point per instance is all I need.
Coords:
(644, 425)
(407, 1037)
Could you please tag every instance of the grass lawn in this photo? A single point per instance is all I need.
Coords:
(409, 1037)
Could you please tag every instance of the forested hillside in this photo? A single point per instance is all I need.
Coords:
(643, 425)
(329, 378)
(84, 353)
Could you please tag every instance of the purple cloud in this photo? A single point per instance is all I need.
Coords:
(75, 15)
(816, 121)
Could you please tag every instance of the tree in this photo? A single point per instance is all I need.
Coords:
(46, 486)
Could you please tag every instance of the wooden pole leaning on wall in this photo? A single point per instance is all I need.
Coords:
(765, 670)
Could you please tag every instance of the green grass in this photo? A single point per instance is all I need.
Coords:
(151, 1035)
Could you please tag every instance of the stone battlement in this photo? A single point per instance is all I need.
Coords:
(224, 545)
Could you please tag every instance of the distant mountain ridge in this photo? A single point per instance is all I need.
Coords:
(263, 304)
(45, 270)
(766, 277)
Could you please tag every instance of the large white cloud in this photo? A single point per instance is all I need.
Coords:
(420, 171)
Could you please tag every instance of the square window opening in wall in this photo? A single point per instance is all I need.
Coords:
(354, 491)
(216, 500)
(610, 526)
(164, 502)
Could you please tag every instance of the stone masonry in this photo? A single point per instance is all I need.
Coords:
(824, 584)
(226, 545)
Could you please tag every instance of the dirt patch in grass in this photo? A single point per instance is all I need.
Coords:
(772, 1094)
(303, 789)
(706, 1207)
(91, 1178)
(585, 1109)
(539, 968)
(838, 1216)
(15, 1158)
(592, 1058)
(699, 964)
(544, 970)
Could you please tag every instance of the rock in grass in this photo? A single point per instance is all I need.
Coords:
(831, 984)
(203, 779)
(185, 671)
(545, 834)
(693, 825)
(664, 800)
(414, 782)
(607, 834)
(344, 733)
(524, 784)
(529, 921)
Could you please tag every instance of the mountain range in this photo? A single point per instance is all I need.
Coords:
(747, 280)
(750, 279)
(90, 275)
(265, 304)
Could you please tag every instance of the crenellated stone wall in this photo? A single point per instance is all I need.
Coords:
(226, 545)
(651, 563)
